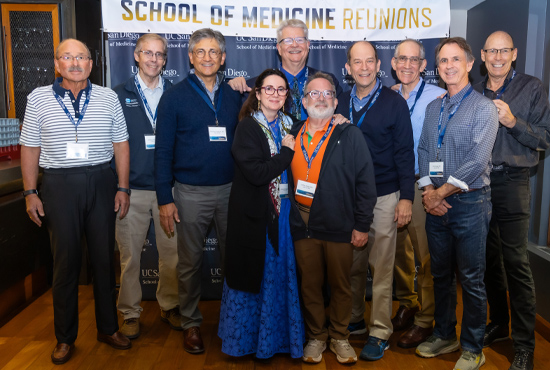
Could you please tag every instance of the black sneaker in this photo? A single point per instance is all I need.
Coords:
(495, 333)
(523, 360)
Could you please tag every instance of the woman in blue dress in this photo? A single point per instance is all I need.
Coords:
(260, 310)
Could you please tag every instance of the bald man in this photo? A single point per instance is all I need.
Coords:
(524, 129)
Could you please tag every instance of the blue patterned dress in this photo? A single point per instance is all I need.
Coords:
(271, 321)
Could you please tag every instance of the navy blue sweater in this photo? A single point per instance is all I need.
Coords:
(138, 124)
(184, 151)
(388, 131)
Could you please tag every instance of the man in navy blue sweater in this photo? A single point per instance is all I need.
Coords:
(196, 125)
(383, 117)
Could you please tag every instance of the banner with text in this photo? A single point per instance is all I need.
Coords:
(373, 20)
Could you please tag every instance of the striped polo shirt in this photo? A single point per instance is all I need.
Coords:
(47, 126)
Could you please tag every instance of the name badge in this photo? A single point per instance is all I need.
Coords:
(305, 189)
(217, 133)
(77, 151)
(149, 142)
(436, 169)
(283, 191)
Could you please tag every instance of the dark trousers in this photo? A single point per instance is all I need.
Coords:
(80, 202)
(507, 247)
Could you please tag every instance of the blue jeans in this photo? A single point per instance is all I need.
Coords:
(457, 243)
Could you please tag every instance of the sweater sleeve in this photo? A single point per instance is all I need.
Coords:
(250, 158)
(167, 122)
(404, 150)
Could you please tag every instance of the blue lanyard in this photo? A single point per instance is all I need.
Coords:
(369, 105)
(442, 133)
(207, 99)
(275, 131)
(419, 92)
(82, 111)
(314, 154)
(144, 99)
(499, 95)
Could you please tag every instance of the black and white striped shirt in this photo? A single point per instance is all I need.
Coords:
(47, 126)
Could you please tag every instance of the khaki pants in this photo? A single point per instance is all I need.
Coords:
(379, 255)
(314, 258)
(131, 232)
(411, 242)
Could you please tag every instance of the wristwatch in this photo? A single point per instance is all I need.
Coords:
(124, 190)
(29, 192)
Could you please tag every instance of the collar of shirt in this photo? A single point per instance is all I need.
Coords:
(412, 94)
(212, 93)
(59, 90)
(290, 77)
(506, 81)
(358, 104)
(321, 130)
(144, 86)
(456, 98)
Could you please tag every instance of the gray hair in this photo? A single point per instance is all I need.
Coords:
(461, 42)
(151, 37)
(206, 33)
(294, 23)
(420, 45)
(66, 40)
(317, 75)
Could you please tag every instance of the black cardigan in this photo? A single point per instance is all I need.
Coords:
(250, 207)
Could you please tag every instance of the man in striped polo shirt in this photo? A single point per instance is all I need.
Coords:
(71, 130)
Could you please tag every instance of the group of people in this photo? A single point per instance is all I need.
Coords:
(308, 187)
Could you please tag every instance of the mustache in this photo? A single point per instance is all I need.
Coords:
(75, 69)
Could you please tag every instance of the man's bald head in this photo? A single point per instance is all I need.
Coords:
(501, 35)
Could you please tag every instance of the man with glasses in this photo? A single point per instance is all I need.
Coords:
(524, 130)
(383, 117)
(408, 63)
(293, 48)
(139, 97)
(334, 193)
(71, 130)
(195, 128)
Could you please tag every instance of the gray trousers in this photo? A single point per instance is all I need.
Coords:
(197, 206)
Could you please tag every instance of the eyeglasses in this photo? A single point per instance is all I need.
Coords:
(270, 90)
(149, 54)
(70, 58)
(201, 53)
(290, 40)
(402, 59)
(314, 94)
(503, 51)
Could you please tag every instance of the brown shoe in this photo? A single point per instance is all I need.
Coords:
(62, 353)
(414, 336)
(172, 317)
(192, 341)
(130, 328)
(404, 318)
(117, 340)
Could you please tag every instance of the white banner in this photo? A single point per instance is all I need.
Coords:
(373, 20)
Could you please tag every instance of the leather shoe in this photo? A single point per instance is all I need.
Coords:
(192, 341)
(117, 340)
(404, 318)
(62, 353)
(414, 336)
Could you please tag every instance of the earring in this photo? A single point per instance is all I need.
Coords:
(283, 108)
(258, 105)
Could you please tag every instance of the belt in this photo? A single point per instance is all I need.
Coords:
(81, 169)
(503, 168)
(303, 208)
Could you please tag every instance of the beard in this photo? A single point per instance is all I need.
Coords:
(320, 111)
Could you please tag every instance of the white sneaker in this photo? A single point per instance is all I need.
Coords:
(345, 354)
(313, 352)
(470, 361)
